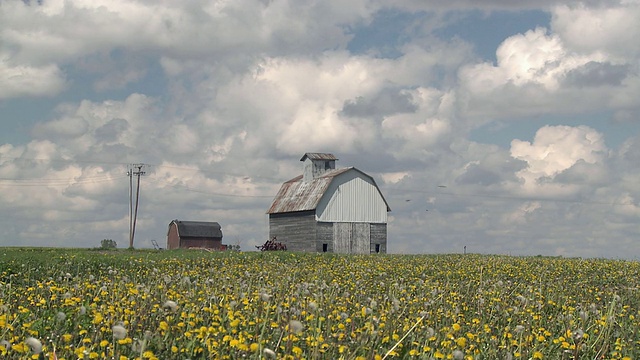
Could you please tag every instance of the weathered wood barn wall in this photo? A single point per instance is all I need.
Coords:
(330, 210)
(194, 234)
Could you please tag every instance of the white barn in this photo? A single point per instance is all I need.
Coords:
(330, 210)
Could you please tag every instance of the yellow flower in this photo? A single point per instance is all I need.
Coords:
(19, 348)
(97, 319)
(538, 355)
(296, 351)
(254, 347)
(461, 342)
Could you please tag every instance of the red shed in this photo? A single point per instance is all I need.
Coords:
(194, 234)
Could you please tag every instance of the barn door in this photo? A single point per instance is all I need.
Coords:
(351, 238)
(361, 239)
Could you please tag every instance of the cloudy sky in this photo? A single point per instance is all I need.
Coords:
(506, 126)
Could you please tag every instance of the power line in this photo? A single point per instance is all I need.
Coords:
(56, 182)
(209, 192)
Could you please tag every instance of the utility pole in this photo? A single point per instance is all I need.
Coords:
(133, 213)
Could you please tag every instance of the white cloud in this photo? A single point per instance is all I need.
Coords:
(64, 128)
(181, 140)
(61, 31)
(538, 73)
(24, 80)
(554, 150)
(534, 58)
(613, 29)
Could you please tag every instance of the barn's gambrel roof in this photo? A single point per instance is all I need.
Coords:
(198, 229)
(297, 195)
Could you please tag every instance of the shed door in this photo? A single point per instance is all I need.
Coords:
(351, 238)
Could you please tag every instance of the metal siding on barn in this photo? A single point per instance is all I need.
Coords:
(352, 198)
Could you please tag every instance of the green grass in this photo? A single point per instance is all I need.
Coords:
(294, 305)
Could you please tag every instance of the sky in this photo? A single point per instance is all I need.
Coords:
(494, 127)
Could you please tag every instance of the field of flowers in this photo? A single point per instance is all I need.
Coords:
(82, 304)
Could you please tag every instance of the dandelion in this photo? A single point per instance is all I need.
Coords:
(60, 316)
(5, 344)
(170, 305)
(137, 346)
(578, 334)
(313, 306)
(269, 353)
(34, 344)
(295, 326)
(458, 355)
(119, 332)
(430, 332)
(265, 297)
(373, 304)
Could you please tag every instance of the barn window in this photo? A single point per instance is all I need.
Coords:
(325, 247)
(377, 248)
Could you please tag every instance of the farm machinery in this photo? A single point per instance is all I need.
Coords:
(272, 245)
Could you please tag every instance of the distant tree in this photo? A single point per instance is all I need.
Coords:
(108, 244)
(236, 246)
